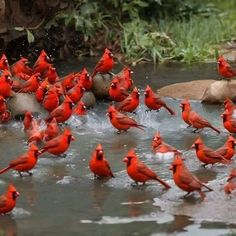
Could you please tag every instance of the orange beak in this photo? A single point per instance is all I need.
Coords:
(72, 137)
(193, 146)
(171, 167)
(125, 159)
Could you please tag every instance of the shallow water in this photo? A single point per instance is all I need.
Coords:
(62, 197)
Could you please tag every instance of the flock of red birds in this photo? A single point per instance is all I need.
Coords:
(58, 96)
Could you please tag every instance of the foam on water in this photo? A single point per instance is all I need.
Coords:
(19, 213)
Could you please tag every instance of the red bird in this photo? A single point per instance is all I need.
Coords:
(224, 69)
(139, 172)
(52, 130)
(184, 179)
(85, 79)
(59, 144)
(42, 63)
(121, 121)
(51, 99)
(158, 146)
(51, 74)
(41, 90)
(98, 164)
(5, 115)
(154, 102)
(124, 78)
(25, 162)
(8, 199)
(116, 92)
(229, 122)
(4, 63)
(229, 105)
(6, 84)
(27, 122)
(105, 64)
(81, 109)
(231, 182)
(227, 151)
(198, 122)
(186, 108)
(69, 81)
(76, 93)
(130, 103)
(21, 66)
(207, 155)
(31, 85)
(63, 112)
(34, 133)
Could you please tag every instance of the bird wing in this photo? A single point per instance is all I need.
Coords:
(222, 150)
(199, 119)
(52, 143)
(189, 179)
(3, 201)
(109, 168)
(143, 169)
(57, 111)
(125, 120)
(124, 103)
(99, 64)
(212, 154)
(20, 160)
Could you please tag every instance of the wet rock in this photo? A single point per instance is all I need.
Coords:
(101, 84)
(89, 99)
(218, 91)
(193, 89)
(22, 102)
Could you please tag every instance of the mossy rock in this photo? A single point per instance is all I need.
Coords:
(89, 99)
(101, 85)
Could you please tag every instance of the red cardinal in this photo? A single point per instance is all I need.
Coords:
(31, 85)
(5, 116)
(4, 63)
(41, 90)
(63, 112)
(139, 172)
(21, 66)
(8, 199)
(207, 155)
(121, 121)
(27, 122)
(229, 105)
(98, 164)
(42, 63)
(76, 93)
(184, 179)
(85, 79)
(158, 146)
(69, 81)
(231, 182)
(154, 102)
(51, 74)
(3, 106)
(124, 78)
(81, 109)
(116, 92)
(227, 151)
(51, 99)
(224, 69)
(59, 144)
(229, 122)
(34, 133)
(130, 103)
(198, 122)
(52, 130)
(105, 64)
(6, 84)
(25, 162)
(186, 108)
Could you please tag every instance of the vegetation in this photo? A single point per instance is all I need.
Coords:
(154, 30)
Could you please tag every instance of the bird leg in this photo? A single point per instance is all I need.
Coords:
(135, 113)
(29, 173)
(204, 165)
(20, 174)
(148, 110)
(118, 132)
(195, 131)
(188, 126)
(186, 194)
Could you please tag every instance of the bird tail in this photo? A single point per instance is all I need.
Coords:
(212, 127)
(141, 127)
(171, 111)
(208, 188)
(94, 73)
(167, 186)
(5, 170)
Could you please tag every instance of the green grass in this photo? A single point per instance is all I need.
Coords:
(188, 41)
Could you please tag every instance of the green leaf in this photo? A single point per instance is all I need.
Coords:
(30, 36)
(19, 28)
